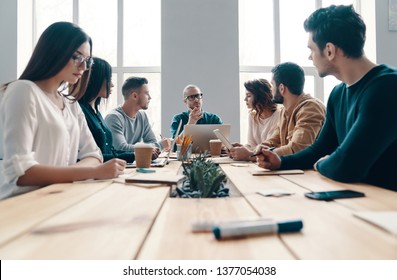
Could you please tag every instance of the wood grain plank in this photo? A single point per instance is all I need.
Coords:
(246, 183)
(111, 224)
(171, 236)
(330, 229)
(377, 199)
(21, 213)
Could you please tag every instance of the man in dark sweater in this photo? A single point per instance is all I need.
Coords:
(358, 142)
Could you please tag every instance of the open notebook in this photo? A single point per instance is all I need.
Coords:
(158, 162)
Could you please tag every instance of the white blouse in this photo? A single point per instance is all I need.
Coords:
(33, 130)
(258, 132)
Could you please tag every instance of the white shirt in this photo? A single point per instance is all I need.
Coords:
(33, 130)
(260, 131)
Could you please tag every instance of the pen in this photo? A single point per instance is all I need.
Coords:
(223, 231)
(114, 153)
(260, 152)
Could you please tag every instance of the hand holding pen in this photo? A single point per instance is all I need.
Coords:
(266, 158)
(166, 143)
(259, 152)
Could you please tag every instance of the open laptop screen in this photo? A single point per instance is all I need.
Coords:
(203, 133)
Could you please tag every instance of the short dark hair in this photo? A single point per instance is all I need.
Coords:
(339, 25)
(261, 90)
(53, 51)
(132, 83)
(101, 72)
(290, 75)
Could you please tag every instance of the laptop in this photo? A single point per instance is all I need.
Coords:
(203, 133)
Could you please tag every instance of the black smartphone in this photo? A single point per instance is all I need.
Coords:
(331, 195)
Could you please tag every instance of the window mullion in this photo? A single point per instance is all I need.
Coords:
(76, 11)
(277, 44)
(120, 49)
(34, 23)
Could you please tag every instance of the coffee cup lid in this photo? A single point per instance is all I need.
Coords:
(143, 145)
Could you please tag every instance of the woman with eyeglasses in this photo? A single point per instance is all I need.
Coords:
(44, 137)
(100, 86)
(263, 118)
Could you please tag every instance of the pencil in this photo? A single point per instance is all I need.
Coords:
(260, 152)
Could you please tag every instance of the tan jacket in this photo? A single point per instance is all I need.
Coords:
(298, 126)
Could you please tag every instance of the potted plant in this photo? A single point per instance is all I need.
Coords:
(204, 179)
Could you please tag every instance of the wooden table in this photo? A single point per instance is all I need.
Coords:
(113, 220)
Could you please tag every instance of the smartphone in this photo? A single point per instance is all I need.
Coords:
(331, 195)
(222, 137)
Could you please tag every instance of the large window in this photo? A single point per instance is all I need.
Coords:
(271, 32)
(126, 33)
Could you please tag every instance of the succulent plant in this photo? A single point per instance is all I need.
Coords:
(205, 179)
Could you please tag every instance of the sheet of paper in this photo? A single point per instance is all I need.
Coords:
(386, 220)
(275, 192)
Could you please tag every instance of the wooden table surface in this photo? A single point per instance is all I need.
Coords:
(113, 220)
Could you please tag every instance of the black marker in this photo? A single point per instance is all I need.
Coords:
(224, 231)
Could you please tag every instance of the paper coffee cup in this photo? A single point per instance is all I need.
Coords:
(215, 147)
(143, 155)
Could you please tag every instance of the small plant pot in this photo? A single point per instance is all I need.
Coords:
(204, 179)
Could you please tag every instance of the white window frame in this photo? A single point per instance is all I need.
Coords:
(309, 70)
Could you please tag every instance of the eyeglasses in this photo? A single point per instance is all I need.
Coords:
(194, 96)
(79, 59)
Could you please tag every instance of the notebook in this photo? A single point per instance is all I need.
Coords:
(152, 178)
(158, 162)
(264, 172)
(203, 133)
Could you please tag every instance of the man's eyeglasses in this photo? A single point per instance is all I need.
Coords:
(194, 96)
(79, 59)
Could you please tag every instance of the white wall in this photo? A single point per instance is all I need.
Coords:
(200, 46)
(386, 40)
(8, 35)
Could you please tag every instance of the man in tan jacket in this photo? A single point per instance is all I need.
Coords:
(302, 116)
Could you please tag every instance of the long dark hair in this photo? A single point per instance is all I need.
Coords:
(53, 51)
(101, 72)
(263, 99)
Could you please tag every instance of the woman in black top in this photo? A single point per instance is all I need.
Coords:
(99, 86)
